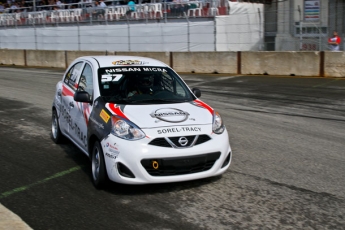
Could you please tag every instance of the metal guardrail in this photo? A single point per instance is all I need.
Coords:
(89, 14)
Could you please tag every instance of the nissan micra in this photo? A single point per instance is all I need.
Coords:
(138, 122)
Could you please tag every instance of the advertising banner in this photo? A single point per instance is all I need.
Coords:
(312, 10)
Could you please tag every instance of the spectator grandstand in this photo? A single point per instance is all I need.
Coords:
(44, 12)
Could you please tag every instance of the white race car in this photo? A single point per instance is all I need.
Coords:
(138, 122)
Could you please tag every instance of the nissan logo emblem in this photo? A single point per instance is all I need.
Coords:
(183, 141)
(170, 115)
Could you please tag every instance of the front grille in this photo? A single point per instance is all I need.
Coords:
(173, 142)
(180, 165)
(160, 142)
(202, 139)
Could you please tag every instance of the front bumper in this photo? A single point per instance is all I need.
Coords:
(139, 162)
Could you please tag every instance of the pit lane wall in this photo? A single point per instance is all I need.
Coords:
(318, 64)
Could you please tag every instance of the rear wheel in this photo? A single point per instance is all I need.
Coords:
(99, 173)
(56, 134)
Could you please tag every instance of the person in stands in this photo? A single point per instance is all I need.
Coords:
(334, 42)
(131, 5)
(98, 12)
(2, 7)
(102, 4)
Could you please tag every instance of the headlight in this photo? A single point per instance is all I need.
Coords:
(217, 126)
(125, 129)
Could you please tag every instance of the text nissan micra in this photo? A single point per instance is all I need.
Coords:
(138, 122)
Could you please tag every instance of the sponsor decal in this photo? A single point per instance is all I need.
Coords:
(112, 150)
(111, 155)
(155, 70)
(104, 115)
(65, 114)
(118, 70)
(177, 130)
(99, 125)
(170, 115)
(108, 145)
(134, 69)
(129, 62)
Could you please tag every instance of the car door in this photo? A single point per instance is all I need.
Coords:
(69, 86)
(81, 114)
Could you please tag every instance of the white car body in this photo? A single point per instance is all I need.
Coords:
(141, 141)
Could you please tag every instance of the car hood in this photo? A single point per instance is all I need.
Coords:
(164, 115)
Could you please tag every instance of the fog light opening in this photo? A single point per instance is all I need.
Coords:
(155, 165)
(227, 160)
(124, 171)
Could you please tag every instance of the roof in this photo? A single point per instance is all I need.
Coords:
(117, 60)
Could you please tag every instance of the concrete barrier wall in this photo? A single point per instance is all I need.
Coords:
(72, 55)
(161, 56)
(334, 64)
(266, 62)
(281, 63)
(46, 58)
(12, 57)
(205, 62)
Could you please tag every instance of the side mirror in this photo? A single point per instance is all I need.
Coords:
(82, 96)
(196, 92)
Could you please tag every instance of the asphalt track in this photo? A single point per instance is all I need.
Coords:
(287, 172)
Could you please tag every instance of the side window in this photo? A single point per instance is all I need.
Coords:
(167, 82)
(72, 75)
(86, 80)
(171, 84)
(180, 91)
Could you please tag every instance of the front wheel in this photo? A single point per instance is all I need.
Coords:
(99, 173)
(56, 134)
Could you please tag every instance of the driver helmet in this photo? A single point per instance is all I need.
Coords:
(145, 83)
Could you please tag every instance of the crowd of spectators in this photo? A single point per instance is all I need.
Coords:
(177, 8)
(14, 6)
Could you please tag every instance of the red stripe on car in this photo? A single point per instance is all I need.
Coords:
(117, 110)
(67, 92)
(204, 105)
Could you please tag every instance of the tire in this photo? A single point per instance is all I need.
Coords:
(99, 172)
(56, 134)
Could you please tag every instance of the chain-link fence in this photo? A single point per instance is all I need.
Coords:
(294, 25)
(147, 33)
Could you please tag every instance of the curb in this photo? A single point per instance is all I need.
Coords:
(10, 221)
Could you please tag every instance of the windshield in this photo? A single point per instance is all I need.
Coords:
(142, 85)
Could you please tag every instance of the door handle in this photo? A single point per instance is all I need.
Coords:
(71, 104)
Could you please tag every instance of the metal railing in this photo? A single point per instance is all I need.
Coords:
(86, 13)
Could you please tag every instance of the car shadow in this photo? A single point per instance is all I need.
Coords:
(124, 189)
(83, 161)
